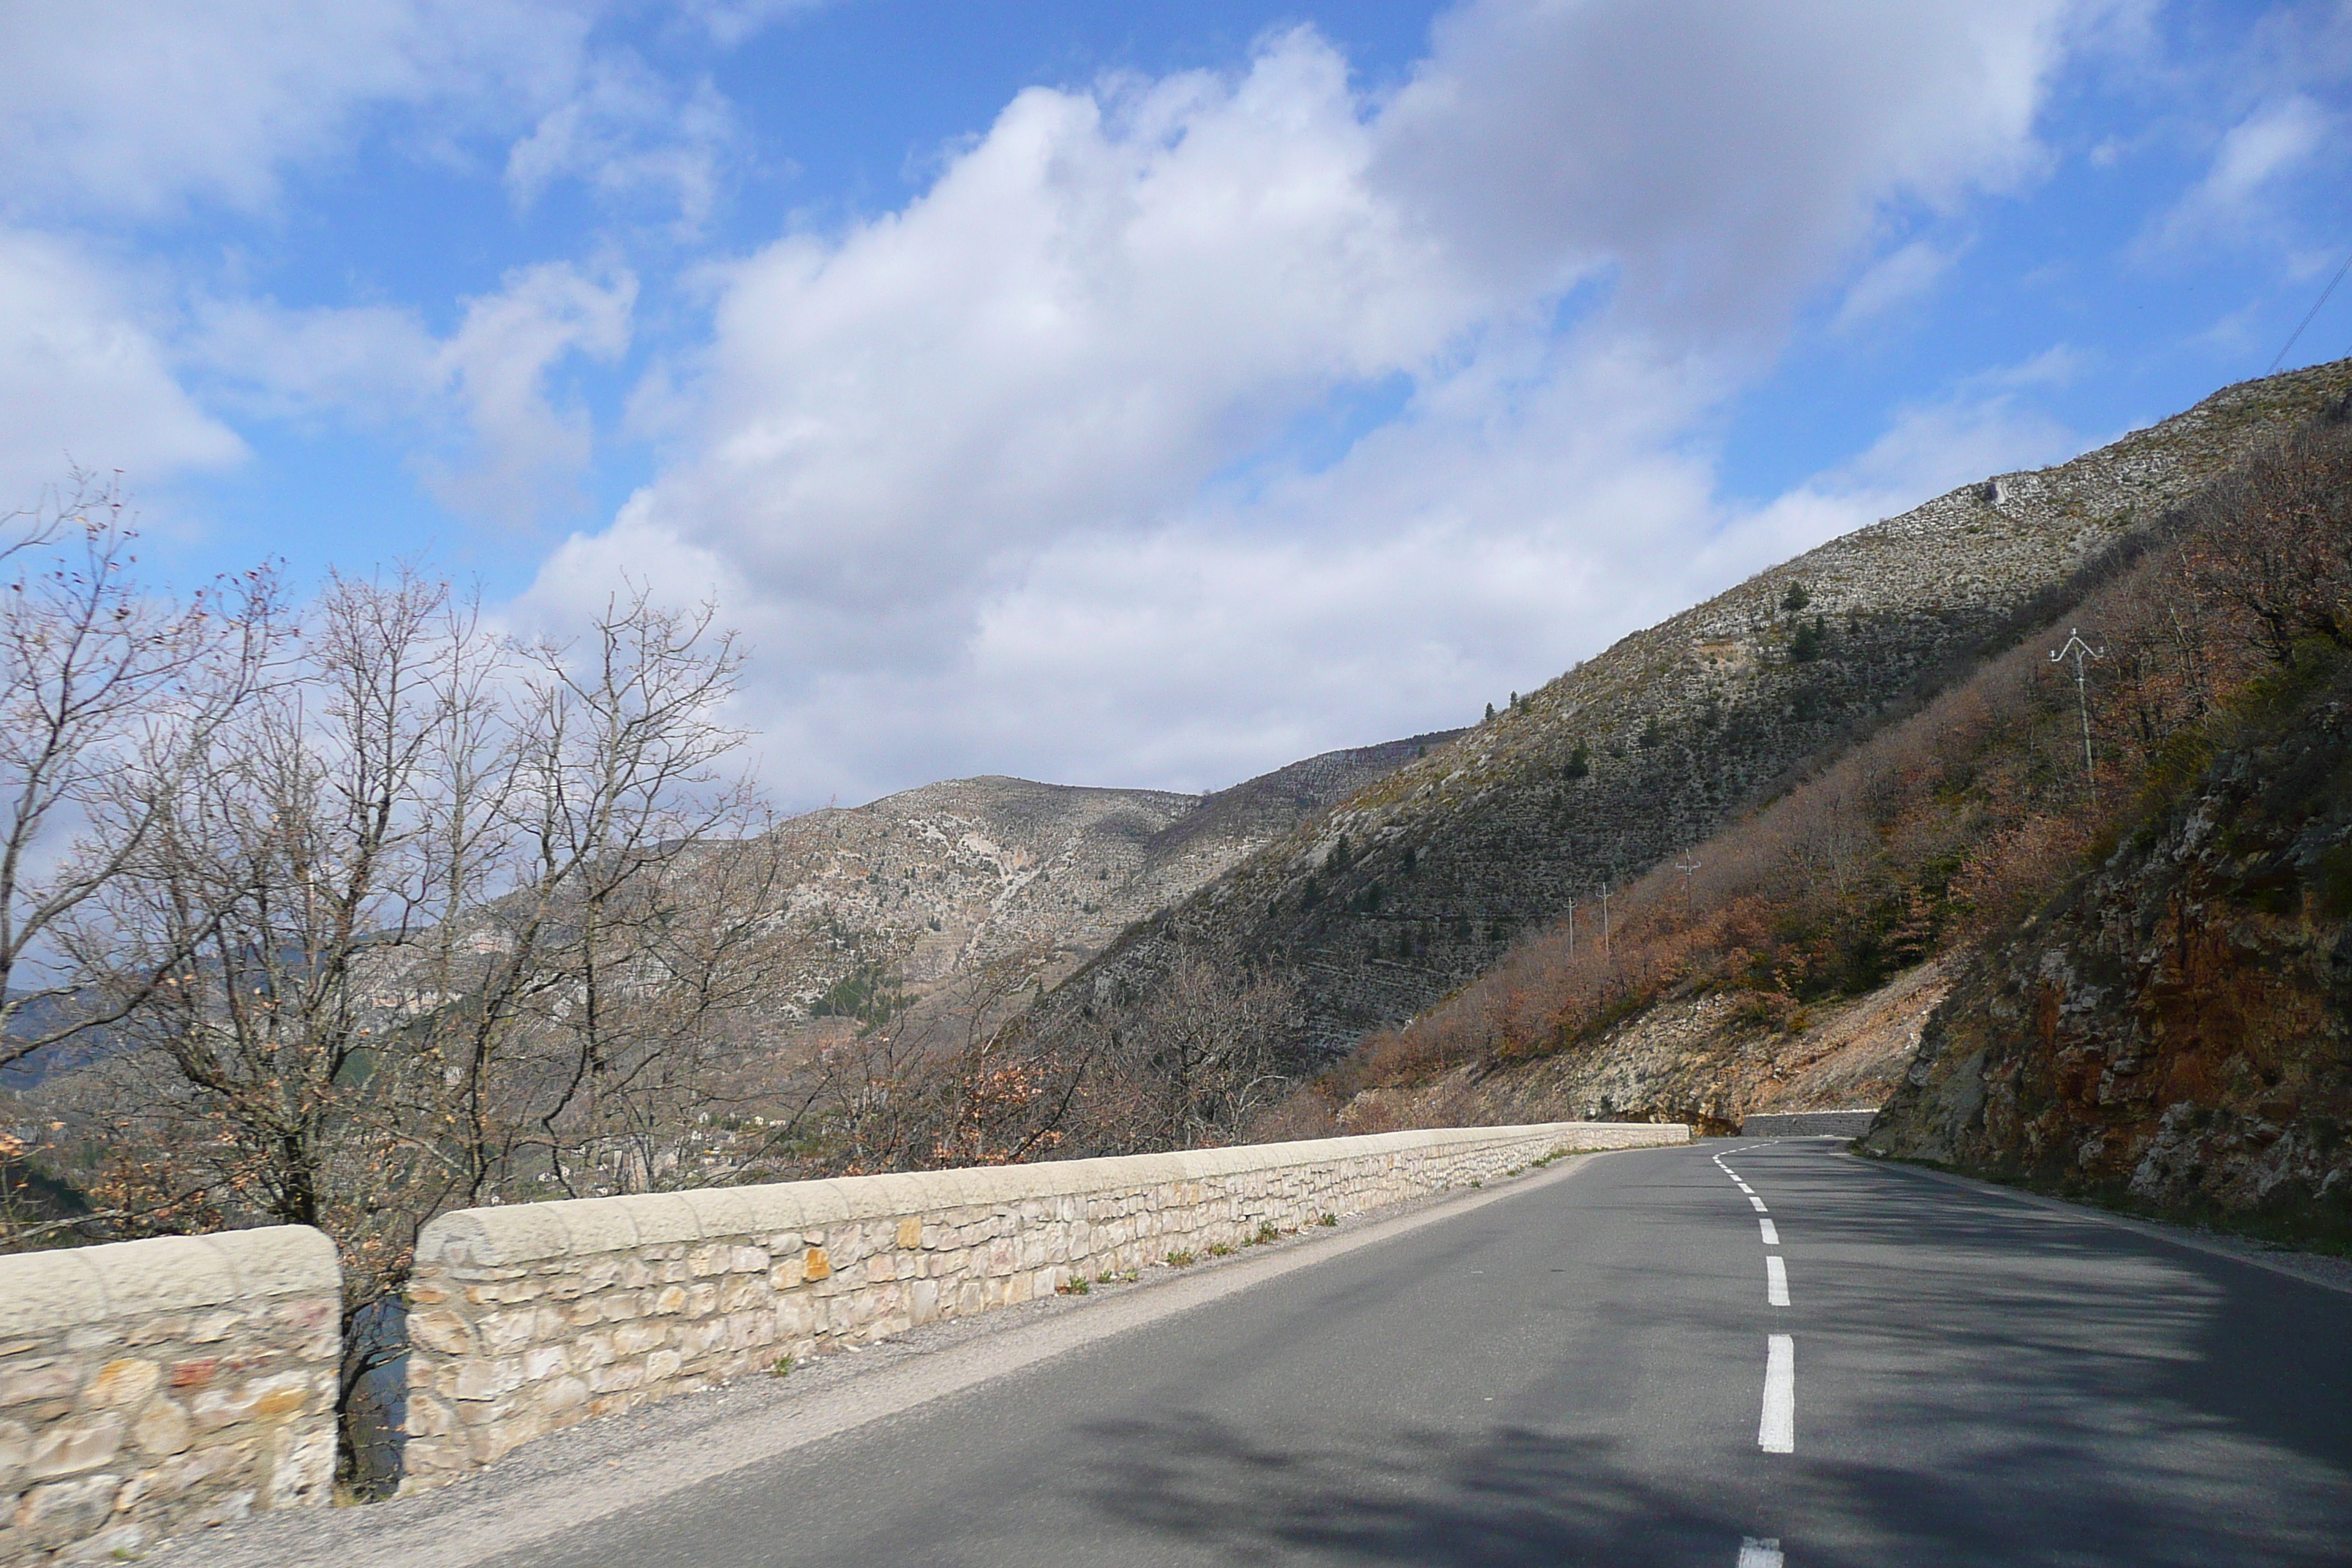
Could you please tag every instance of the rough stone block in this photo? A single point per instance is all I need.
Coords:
(481, 1378)
(42, 1381)
(15, 1450)
(636, 1339)
(504, 1334)
(494, 1441)
(303, 1471)
(565, 1393)
(71, 1447)
(621, 1378)
(162, 1428)
(49, 1515)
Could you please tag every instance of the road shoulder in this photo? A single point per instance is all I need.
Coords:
(2323, 1269)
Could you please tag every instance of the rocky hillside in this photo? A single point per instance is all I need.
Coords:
(1701, 1060)
(2175, 1029)
(1423, 880)
(918, 886)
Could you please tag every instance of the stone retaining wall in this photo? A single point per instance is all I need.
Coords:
(530, 1317)
(153, 1387)
(1809, 1124)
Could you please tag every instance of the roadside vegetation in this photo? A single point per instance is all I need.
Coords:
(1958, 821)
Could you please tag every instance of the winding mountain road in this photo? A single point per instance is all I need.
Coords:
(1768, 1355)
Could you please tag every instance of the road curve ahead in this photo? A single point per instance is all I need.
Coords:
(1744, 1355)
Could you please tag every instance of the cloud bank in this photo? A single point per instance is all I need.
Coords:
(1181, 426)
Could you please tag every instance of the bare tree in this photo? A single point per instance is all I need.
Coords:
(957, 1079)
(106, 693)
(454, 921)
(1193, 1065)
(2274, 542)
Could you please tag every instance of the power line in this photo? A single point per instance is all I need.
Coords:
(2307, 315)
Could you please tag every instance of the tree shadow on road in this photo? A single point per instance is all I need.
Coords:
(1514, 1496)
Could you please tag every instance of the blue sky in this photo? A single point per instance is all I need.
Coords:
(1118, 393)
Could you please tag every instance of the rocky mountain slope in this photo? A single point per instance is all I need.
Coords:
(2175, 1029)
(921, 885)
(1696, 1060)
(1421, 881)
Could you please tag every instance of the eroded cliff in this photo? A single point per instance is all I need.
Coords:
(2174, 1031)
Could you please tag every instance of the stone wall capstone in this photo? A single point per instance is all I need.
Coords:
(148, 1388)
(529, 1318)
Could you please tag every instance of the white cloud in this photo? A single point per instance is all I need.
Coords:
(730, 21)
(137, 108)
(2252, 159)
(1724, 156)
(1091, 312)
(2264, 146)
(1892, 280)
(496, 437)
(128, 114)
(134, 106)
(629, 132)
(994, 481)
(527, 449)
(82, 378)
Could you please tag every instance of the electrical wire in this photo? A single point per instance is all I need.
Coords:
(2307, 315)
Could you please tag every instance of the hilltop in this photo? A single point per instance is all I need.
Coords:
(1422, 880)
(918, 887)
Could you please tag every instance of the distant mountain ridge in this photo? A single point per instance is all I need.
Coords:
(926, 882)
(1422, 879)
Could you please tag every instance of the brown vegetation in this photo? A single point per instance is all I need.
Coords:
(1953, 823)
(2173, 1030)
(981, 1082)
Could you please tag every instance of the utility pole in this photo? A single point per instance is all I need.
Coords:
(1690, 906)
(1571, 928)
(1604, 917)
(2081, 651)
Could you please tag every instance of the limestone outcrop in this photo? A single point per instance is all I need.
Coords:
(1699, 1060)
(920, 884)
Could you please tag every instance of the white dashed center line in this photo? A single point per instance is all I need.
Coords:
(1777, 1433)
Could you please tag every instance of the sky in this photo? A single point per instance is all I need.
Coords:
(1128, 393)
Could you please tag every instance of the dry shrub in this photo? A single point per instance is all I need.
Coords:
(1957, 819)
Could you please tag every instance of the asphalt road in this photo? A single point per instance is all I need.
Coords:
(1589, 1371)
